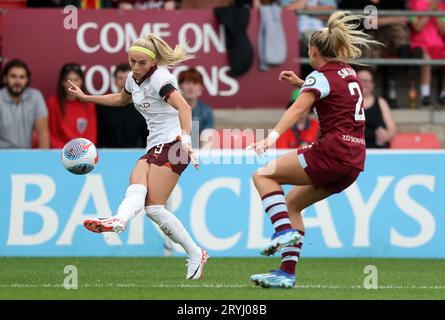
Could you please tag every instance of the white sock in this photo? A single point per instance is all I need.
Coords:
(133, 202)
(173, 228)
(425, 90)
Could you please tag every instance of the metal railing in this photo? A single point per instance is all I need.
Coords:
(384, 13)
(380, 13)
(391, 62)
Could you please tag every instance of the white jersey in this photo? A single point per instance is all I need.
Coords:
(149, 99)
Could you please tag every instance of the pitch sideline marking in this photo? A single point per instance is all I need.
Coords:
(215, 286)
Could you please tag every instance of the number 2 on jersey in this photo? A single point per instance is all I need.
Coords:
(359, 111)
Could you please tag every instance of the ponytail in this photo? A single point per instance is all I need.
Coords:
(166, 56)
(341, 39)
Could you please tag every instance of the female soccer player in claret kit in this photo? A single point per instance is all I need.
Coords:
(327, 166)
(153, 90)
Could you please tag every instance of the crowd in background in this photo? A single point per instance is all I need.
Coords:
(28, 119)
(402, 36)
(141, 4)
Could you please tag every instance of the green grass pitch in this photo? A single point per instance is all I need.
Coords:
(225, 278)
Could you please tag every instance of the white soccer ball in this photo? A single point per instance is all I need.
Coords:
(79, 156)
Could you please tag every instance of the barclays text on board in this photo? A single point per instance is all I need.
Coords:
(395, 208)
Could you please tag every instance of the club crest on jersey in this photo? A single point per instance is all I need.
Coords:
(82, 124)
(310, 81)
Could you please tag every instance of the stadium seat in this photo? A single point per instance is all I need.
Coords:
(233, 138)
(415, 141)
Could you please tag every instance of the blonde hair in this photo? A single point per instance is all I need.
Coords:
(166, 56)
(341, 39)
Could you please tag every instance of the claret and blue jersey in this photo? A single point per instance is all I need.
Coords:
(339, 107)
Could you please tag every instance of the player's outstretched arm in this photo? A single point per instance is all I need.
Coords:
(291, 77)
(289, 118)
(295, 112)
(112, 100)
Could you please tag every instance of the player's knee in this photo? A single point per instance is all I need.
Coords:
(294, 206)
(257, 176)
(154, 212)
(136, 190)
(155, 199)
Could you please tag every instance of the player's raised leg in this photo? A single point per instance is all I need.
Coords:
(161, 183)
(132, 204)
(299, 198)
(268, 181)
(285, 170)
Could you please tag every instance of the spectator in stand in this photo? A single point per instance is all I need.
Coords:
(441, 26)
(48, 3)
(22, 109)
(83, 4)
(146, 4)
(69, 118)
(392, 31)
(210, 4)
(426, 34)
(141, 4)
(300, 134)
(93, 4)
(380, 128)
(192, 85)
(120, 127)
(308, 24)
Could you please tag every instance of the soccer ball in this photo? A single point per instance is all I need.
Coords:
(79, 156)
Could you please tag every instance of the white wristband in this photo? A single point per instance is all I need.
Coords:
(274, 135)
(186, 139)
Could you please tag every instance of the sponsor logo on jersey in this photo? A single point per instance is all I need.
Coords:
(352, 139)
(144, 105)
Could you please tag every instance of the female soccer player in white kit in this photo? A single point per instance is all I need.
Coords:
(153, 90)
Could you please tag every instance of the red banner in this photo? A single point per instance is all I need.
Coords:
(99, 39)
